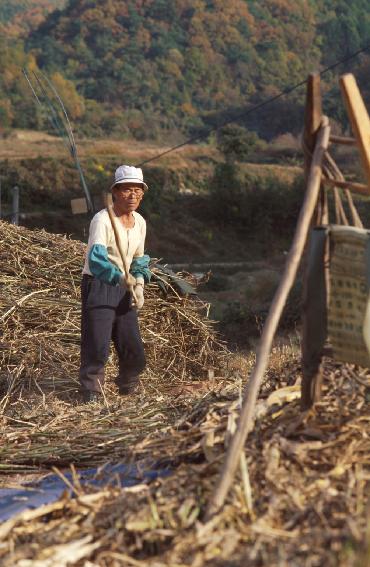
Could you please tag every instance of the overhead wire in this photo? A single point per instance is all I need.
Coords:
(52, 116)
(60, 123)
(68, 128)
(64, 128)
(67, 124)
(254, 108)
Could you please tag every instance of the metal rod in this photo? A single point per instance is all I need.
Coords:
(15, 205)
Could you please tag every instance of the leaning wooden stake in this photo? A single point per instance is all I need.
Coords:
(312, 119)
(277, 306)
(337, 174)
(312, 124)
(128, 277)
(359, 119)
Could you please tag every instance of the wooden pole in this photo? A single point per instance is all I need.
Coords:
(337, 174)
(312, 122)
(277, 306)
(331, 171)
(359, 119)
(341, 217)
(312, 118)
(324, 207)
(343, 140)
(129, 277)
(353, 186)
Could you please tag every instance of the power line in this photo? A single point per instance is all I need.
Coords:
(59, 120)
(254, 108)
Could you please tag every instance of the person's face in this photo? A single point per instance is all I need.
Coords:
(128, 196)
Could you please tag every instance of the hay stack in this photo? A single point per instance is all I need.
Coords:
(40, 317)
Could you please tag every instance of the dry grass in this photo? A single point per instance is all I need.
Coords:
(309, 479)
(195, 159)
(29, 144)
(307, 498)
(284, 173)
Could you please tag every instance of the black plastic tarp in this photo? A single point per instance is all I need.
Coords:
(50, 488)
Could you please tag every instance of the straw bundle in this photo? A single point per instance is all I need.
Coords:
(40, 318)
(302, 499)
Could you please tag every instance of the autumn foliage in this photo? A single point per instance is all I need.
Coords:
(147, 67)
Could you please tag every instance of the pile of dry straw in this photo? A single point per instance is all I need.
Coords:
(40, 314)
(306, 502)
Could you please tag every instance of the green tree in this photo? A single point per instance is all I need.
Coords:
(236, 143)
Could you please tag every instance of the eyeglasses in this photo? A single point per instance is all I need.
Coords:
(128, 191)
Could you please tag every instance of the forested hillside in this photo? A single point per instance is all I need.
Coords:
(18, 17)
(146, 67)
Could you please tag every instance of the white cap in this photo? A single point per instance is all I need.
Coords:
(129, 174)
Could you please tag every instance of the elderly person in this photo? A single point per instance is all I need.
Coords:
(107, 306)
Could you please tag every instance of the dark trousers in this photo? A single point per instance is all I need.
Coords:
(107, 315)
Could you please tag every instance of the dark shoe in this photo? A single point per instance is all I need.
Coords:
(90, 397)
(129, 388)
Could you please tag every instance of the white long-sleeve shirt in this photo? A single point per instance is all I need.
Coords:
(101, 234)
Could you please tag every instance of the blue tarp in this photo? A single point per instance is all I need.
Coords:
(50, 488)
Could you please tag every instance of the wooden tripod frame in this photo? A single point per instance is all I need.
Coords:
(320, 172)
(360, 122)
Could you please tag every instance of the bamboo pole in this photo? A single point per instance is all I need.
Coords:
(355, 187)
(339, 175)
(341, 217)
(312, 123)
(277, 306)
(359, 119)
(324, 206)
(343, 140)
(312, 118)
(331, 171)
